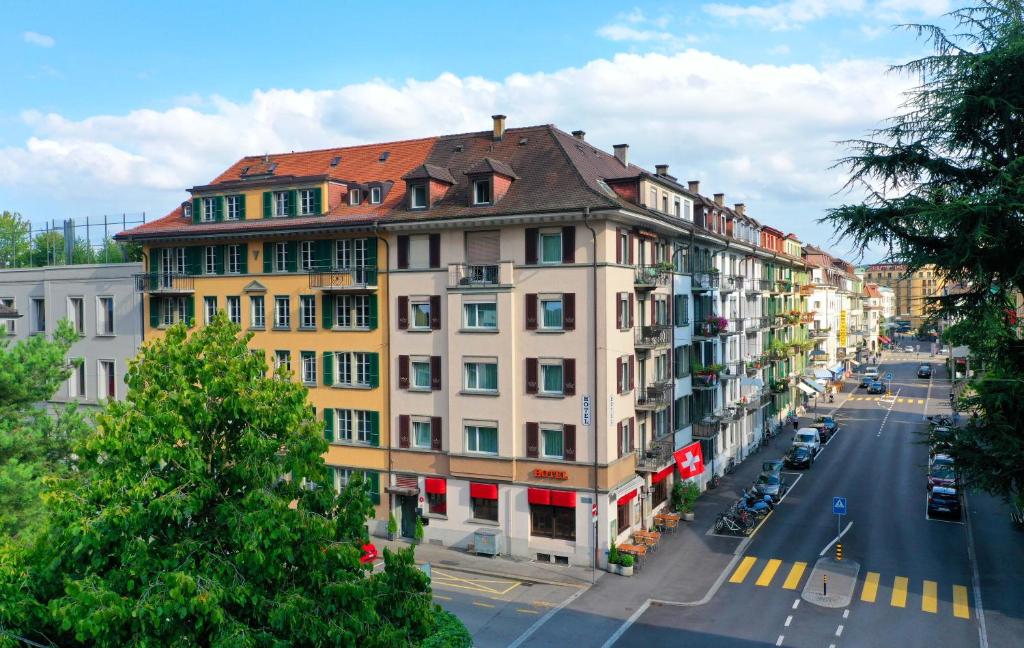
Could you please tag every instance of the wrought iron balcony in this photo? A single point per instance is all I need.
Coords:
(647, 277)
(170, 283)
(732, 371)
(655, 396)
(819, 333)
(732, 327)
(702, 281)
(479, 275)
(657, 455)
(343, 279)
(702, 381)
(706, 429)
(653, 336)
(730, 283)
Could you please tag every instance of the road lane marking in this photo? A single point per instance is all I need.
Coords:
(899, 592)
(527, 611)
(443, 598)
(740, 574)
(930, 597)
(960, 608)
(543, 604)
(768, 573)
(795, 573)
(846, 614)
(789, 620)
(839, 630)
(482, 585)
(778, 642)
(979, 609)
(870, 591)
(796, 604)
(482, 604)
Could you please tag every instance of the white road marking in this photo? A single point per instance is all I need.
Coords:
(552, 612)
(789, 620)
(887, 413)
(778, 642)
(836, 539)
(839, 631)
(796, 604)
(976, 581)
(846, 614)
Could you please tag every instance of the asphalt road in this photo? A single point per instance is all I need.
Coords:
(913, 578)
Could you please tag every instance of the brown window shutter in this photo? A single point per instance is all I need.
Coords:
(435, 372)
(630, 249)
(632, 373)
(569, 441)
(531, 311)
(569, 244)
(618, 246)
(632, 429)
(569, 311)
(435, 312)
(531, 375)
(654, 310)
(532, 440)
(435, 250)
(618, 374)
(435, 432)
(403, 372)
(531, 245)
(569, 377)
(403, 430)
(618, 439)
(403, 251)
(629, 324)
(403, 313)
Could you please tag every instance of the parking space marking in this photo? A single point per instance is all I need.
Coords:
(930, 597)
(768, 573)
(499, 587)
(482, 604)
(899, 592)
(795, 573)
(870, 591)
(741, 572)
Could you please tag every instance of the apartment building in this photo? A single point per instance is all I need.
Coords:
(102, 305)
(912, 290)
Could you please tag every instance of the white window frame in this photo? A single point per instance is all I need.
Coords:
(76, 315)
(413, 384)
(472, 436)
(415, 425)
(209, 209)
(281, 199)
(282, 358)
(233, 207)
(376, 195)
(307, 311)
(414, 193)
(540, 307)
(186, 210)
(210, 259)
(76, 382)
(352, 369)
(282, 315)
(234, 261)
(306, 202)
(309, 368)
(474, 306)
(550, 364)
(38, 323)
(355, 196)
(234, 309)
(306, 255)
(477, 373)
(414, 305)
(557, 429)
(624, 383)
(281, 257)
(477, 185)
(540, 244)
(208, 313)
(102, 313)
(257, 314)
(104, 369)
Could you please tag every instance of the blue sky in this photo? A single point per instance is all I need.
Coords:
(117, 107)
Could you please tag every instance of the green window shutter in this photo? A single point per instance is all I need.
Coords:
(374, 369)
(154, 259)
(268, 258)
(293, 256)
(268, 204)
(323, 254)
(243, 267)
(373, 312)
(329, 424)
(371, 261)
(317, 201)
(218, 209)
(293, 202)
(374, 429)
(154, 311)
(328, 368)
(197, 206)
(241, 207)
(327, 306)
(219, 259)
(194, 260)
(373, 484)
(190, 310)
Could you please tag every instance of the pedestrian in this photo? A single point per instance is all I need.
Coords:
(796, 423)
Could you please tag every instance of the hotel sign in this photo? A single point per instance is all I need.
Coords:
(544, 473)
(842, 328)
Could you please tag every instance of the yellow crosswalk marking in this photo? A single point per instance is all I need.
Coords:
(794, 576)
(870, 591)
(920, 401)
(741, 572)
(930, 597)
(960, 608)
(768, 573)
(899, 592)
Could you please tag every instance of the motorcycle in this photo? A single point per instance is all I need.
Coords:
(757, 505)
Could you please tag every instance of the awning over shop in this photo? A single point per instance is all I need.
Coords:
(435, 486)
(838, 369)
(483, 491)
(752, 382)
(805, 389)
(854, 362)
(813, 386)
(538, 496)
(627, 497)
(822, 374)
(884, 340)
(661, 475)
(543, 496)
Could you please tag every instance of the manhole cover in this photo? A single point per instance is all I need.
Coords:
(831, 583)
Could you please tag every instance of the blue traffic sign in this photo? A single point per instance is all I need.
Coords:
(888, 376)
(838, 506)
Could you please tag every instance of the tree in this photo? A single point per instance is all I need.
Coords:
(944, 181)
(202, 514)
(14, 241)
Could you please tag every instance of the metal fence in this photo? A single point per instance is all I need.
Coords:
(68, 242)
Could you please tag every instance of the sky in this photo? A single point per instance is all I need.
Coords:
(118, 107)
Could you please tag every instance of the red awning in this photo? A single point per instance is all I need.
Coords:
(627, 497)
(566, 499)
(436, 486)
(884, 340)
(538, 496)
(660, 476)
(483, 491)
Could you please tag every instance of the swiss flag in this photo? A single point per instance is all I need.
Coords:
(690, 460)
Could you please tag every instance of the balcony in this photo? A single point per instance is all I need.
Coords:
(653, 337)
(167, 283)
(730, 283)
(783, 286)
(757, 285)
(733, 326)
(807, 318)
(479, 275)
(704, 281)
(657, 455)
(819, 333)
(343, 279)
(705, 381)
(648, 277)
(705, 329)
(706, 429)
(732, 371)
(654, 397)
(756, 401)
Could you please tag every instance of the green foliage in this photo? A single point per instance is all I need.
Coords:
(448, 633)
(14, 247)
(202, 515)
(626, 560)
(684, 496)
(392, 524)
(418, 531)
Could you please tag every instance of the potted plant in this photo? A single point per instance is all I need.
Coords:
(392, 526)
(689, 494)
(418, 532)
(619, 563)
(665, 267)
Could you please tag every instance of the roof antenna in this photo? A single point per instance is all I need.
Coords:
(266, 157)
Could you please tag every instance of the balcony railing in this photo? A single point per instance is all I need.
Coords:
(343, 279)
(655, 396)
(757, 285)
(819, 333)
(705, 281)
(730, 283)
(657, 454)
(649, 276)
(807, 318)
(479, 275)
(732, 371)
(706, 430)
(734, 326)
(705, 329)
(165, 282)
(756, 401)
(705, 380)
(783, 286)
(653, 336)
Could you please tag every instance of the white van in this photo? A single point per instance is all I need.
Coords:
(809, 438)
(871, 373)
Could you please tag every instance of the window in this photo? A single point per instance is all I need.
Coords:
(186, 210)
(551, 313)
(234, 259)
(39, 315)
(420, 315)
(622, 515)
(418, 196)
(76, 313)
(552, 444)
(623, 311)
(173, 310)
(481, 315)
(235, 310)
(209, 209)
(257, 315)
(485, 508)
(355, 196)
(306, 256)
(550, 247)
(280, 257)
(350, 254)
(625, 253)
(659, 492)
(420, 371)
(664, 203)
(437, 503)
(209, 309)
(482, 438)
(481, 376)
(282, 361)
(482, 192)
(105, 316)
(654, 199)
(307, 202)
(76, 384)
(421, 434)
(678, 207)
(307, 310)
(236, 207)
(106, 381)
(557, 522)
(355, 426)
(356, 369)
(624, 378)
(309, 367)
(210, 259)
(352, 311)
(281, 203)
(375, 195)
(282, 312)
(551, 378)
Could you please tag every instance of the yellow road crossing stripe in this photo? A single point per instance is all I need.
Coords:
(768, 573)
(899, 592)
(482, 604)
(741, 572)
(960, 608)
(870, 591)
(526, 611)
(920, 401)
(930, 597)
(443, 598)
(794, 575)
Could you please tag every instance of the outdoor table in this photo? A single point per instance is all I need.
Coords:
(648, 538)
(669, 521)
(637, 551)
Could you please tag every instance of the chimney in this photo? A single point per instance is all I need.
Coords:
(720, 199)
(499, 126)
(580, 135)
(622, 153)
(661, 169)
(694, 186)
(740, 209)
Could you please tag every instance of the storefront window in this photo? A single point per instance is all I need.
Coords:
(437, 503)
(485, 509)
(623, 514)
(557, 522)
(659, 492)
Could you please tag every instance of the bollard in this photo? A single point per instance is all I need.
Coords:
(824, 584)
(839, 551)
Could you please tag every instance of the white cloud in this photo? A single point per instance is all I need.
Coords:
(624, 33)
(873, 33)
(762, 133)
(35, 38)
(779, 49)
(788, 14)
(637, 27)
(926, 7)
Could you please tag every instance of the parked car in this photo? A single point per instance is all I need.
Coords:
(799, 457)
(924, 371)
(876, 387)
(943, 500)
(808, 437)
(770, 483)
(909, 349)
(940, 438)
(827, 426)
(870, 375)
(941, 471)
(771, 466)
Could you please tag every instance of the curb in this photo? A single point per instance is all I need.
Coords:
(518, 577)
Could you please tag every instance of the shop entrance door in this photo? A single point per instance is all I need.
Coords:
(408, 504)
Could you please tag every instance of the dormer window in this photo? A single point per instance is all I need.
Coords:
(375, 195)
(354, 196)
(418, 196)
(209, 210)
(482, 192)
(186, 210)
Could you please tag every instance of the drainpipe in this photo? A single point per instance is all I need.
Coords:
(594, 417)
(142, 301)
(387, 343)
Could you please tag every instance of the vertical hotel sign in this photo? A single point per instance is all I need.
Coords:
(842, 328)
